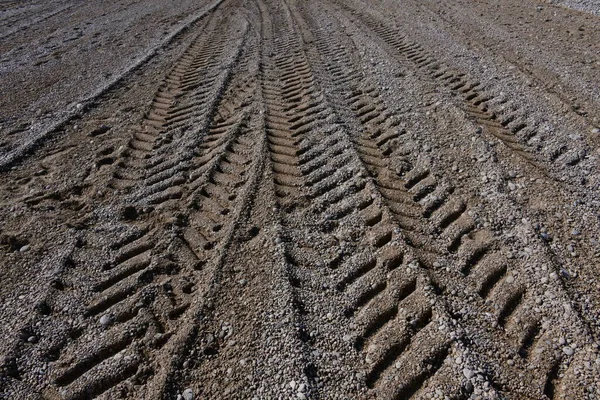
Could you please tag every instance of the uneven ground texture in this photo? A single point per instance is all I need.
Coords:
(285, 199)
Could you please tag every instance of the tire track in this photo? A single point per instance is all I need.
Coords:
(389, 297)
(204, 234)
(293, 108)
(150, 284)
(367, 290)
(216, 339)
(479, 258)
(216, 200)
(498, 116)
(203, 132)
(166, 114)
(279, 153)
(41, 133)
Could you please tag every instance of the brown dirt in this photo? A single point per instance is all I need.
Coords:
(282, 199)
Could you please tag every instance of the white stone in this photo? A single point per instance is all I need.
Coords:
(188, 394)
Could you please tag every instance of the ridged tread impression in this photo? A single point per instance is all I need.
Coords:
(293, 110)
(482, 262)
(150, 280)
(176, 173)
(184, 97)
(375, 290)
(219, 187)
(501, 117)
(151, 288)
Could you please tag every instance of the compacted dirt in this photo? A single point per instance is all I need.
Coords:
(273, 199)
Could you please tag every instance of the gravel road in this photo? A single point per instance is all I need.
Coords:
(284, 199)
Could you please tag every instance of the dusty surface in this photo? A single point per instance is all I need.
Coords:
(589, 6)
(282, 199)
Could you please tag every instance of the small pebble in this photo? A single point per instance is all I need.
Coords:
(32, 339)
(568, 350)
(25, 248)
(106, 320)
(188, 394)
(469, 387)
(468, 373)
(546, 236)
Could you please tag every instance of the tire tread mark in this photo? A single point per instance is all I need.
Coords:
(474, 96)
(136, 280)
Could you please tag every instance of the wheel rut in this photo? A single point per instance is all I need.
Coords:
(284, 218)
(152, 275)
(482, 107)
(478, 258)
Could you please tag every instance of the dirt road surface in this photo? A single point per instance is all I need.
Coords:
(284, 199)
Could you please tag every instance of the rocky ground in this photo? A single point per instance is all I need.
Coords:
(590, 6)
(313, 200)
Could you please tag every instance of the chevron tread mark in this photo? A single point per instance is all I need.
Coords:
(435, 202)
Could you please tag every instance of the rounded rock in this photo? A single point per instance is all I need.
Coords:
(106, 320)
(562, 341)
(568, 351)
(468, 373)
(188, 394)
